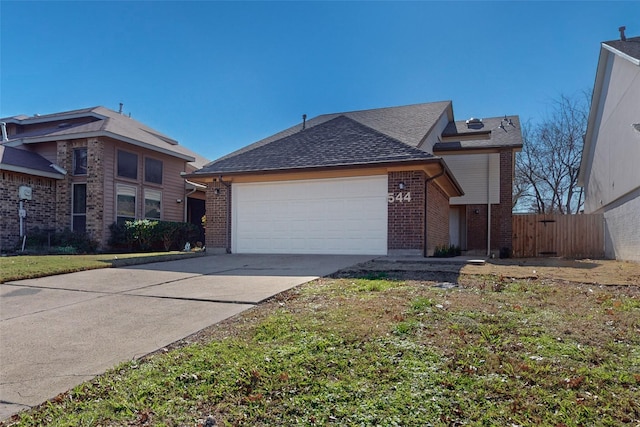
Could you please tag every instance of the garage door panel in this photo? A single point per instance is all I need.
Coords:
(338, 216)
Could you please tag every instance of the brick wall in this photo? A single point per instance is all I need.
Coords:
(406, 217)
(95, 187)
(216, 237)
(40, 210)
(501, 215)
(63, 186)
(95, 190)
(437, 218)
(501, 219)
(406, 224)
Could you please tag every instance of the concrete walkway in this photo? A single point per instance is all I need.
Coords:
(57, 332)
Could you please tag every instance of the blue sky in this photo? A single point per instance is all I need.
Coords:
(219, 75)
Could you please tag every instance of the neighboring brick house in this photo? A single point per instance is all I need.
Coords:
(366, 182)
(86, 169)
(609, 169)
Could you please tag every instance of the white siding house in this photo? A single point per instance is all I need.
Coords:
(610, 172)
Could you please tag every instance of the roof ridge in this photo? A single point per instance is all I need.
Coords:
(377, 132)
(384, 108)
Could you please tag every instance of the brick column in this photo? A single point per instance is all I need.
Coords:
(63, 187)
(218, 227)
(501, 215)
(95, 191)
(437, 218)
(405, 221)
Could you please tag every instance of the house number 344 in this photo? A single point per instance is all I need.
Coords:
(399, 197)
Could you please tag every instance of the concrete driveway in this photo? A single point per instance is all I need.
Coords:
(57, 332)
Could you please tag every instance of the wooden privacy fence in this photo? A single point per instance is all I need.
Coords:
(570, 236)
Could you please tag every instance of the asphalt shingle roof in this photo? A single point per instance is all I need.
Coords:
(490, 135)
(15, 157)
(338, 141)
(630, 47)
(99, 120)
(408, 124)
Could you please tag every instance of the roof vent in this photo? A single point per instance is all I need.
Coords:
(304, 121)
(5, 138)
(622, 36)
(474, 123)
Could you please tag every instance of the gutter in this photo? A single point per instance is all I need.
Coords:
(594, 110)
(341, 166)
(186, 204)
(629, 58)
(488, 206)
(29, 171)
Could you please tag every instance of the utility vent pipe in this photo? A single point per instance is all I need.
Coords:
(622, 36)
(304, 121)
(5, 138)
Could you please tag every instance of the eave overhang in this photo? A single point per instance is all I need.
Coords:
(29, 171)
(101, 134)
(629, 58)
(476, 150)
(432, 167)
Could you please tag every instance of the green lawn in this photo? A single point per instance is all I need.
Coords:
(31, 266)
(374, 351)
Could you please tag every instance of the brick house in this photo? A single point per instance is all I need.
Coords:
(399, 180)
(86, 169)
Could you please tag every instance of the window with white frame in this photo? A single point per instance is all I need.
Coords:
(80, 161)
(79, 208)
(152, 203)
(126, 203)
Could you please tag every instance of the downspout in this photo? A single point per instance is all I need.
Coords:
(186, 201)
(426, 214)
(228, 224)
(489, 205)
(186, 195)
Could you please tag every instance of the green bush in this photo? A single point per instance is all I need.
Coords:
(65, 242)
(144, 235)
(445, 251)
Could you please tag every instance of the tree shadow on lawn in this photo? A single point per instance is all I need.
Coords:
(451, 269)
(423, 270)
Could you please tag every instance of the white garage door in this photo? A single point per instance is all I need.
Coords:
(321, 216)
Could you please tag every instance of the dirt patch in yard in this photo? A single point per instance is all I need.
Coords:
(587, 271)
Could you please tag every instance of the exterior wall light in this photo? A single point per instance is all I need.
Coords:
(401, 186)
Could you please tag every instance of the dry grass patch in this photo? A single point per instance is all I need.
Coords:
(370, 350)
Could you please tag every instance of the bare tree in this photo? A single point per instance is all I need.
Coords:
(546, 178)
